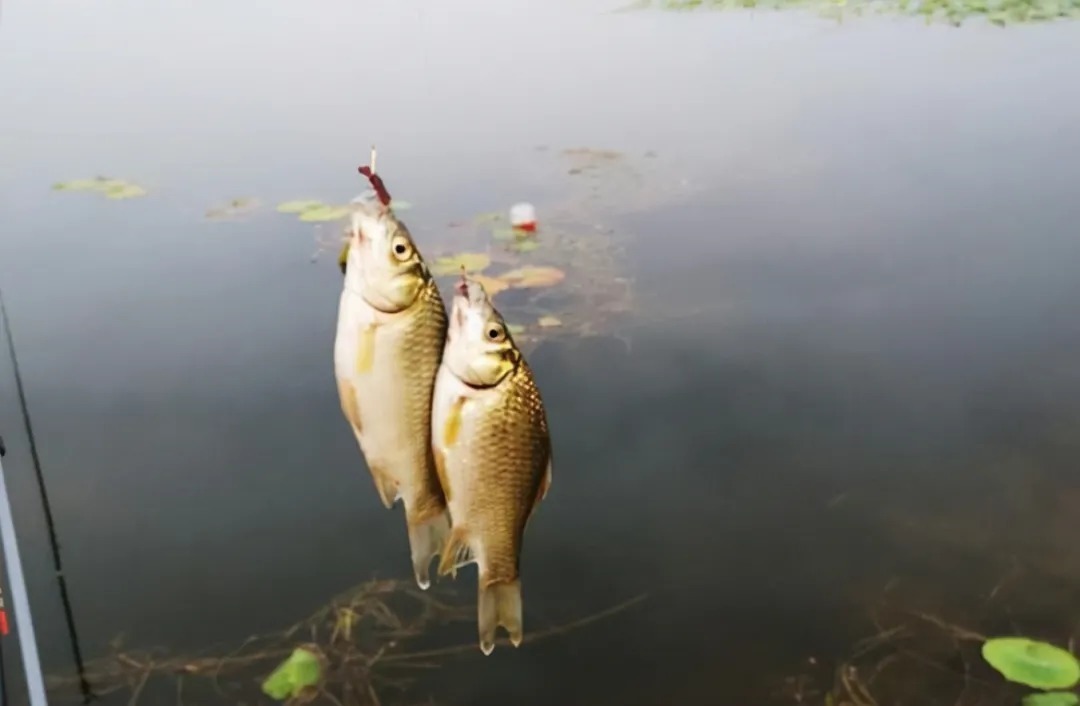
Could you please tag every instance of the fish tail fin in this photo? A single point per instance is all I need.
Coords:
(499, 604)
(456, 554)
(426, 540)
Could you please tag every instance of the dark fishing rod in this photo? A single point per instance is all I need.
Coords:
(84, 684)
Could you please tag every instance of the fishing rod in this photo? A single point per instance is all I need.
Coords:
(35, 683)
(21, 606)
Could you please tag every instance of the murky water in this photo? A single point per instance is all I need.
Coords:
(856, 314)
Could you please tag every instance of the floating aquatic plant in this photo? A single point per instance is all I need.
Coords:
(1000, 12)
(492, 285)
(116, 189)
(524, 246)
(300, 673)
(370, 640)
(471, 262)
(1052, 698)
(1039, 665)
(299, 205)
(314, 211)
(322, 213)
(236, 208)
(525, 277)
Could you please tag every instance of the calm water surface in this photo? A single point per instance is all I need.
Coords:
(865, 309)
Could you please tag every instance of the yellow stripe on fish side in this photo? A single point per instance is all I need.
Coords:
(453, 422)
(365, 350)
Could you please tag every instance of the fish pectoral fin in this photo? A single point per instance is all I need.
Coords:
(456, 553)
(499, 604)
(544, 485)
(385, 484)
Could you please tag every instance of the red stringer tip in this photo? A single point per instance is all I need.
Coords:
(3, 622)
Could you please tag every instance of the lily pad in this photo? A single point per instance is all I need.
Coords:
(324, 213)
(78, 185)
(533, 277)
(515, 329)
(504, 233)
(233, 209)
(299, 206)
(1051, 698)
(124, 191)
(398, 205)
(492, 285)
(301, 670)
(548, 322)
(111, 188)
(491, 217)
(525, 246)
(471, 261)
(1036, 664)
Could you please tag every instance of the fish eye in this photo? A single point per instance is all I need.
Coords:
(496, 333)
(402, 249)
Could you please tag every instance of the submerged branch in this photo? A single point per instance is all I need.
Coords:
(363, 638)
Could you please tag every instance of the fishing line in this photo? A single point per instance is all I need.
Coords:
(84, 685)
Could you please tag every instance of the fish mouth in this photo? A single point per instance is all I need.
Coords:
(366, 209)
(462, 287)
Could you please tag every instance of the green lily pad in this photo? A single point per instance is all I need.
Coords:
(299, 206)
(115, 189)
(515, 329)
(235, 208)
(526, 277)
(324, 213)
(491, 217)
(124, 191)
(524, 246)
(471, 261)
(504, 233)
(300, 671)
(491, 285)
(548, 321)
(78, 185)
(1036, 664)
(1052, 698)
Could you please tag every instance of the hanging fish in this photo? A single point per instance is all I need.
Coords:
(390, 335)
(493, 452)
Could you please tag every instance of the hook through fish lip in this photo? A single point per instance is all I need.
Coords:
(462, 287)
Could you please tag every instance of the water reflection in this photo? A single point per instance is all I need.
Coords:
(863, 297)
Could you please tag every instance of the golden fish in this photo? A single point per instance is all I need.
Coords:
(493, 452)
(390, 335)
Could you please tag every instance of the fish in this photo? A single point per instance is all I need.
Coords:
(493, 454)
(391, 332)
